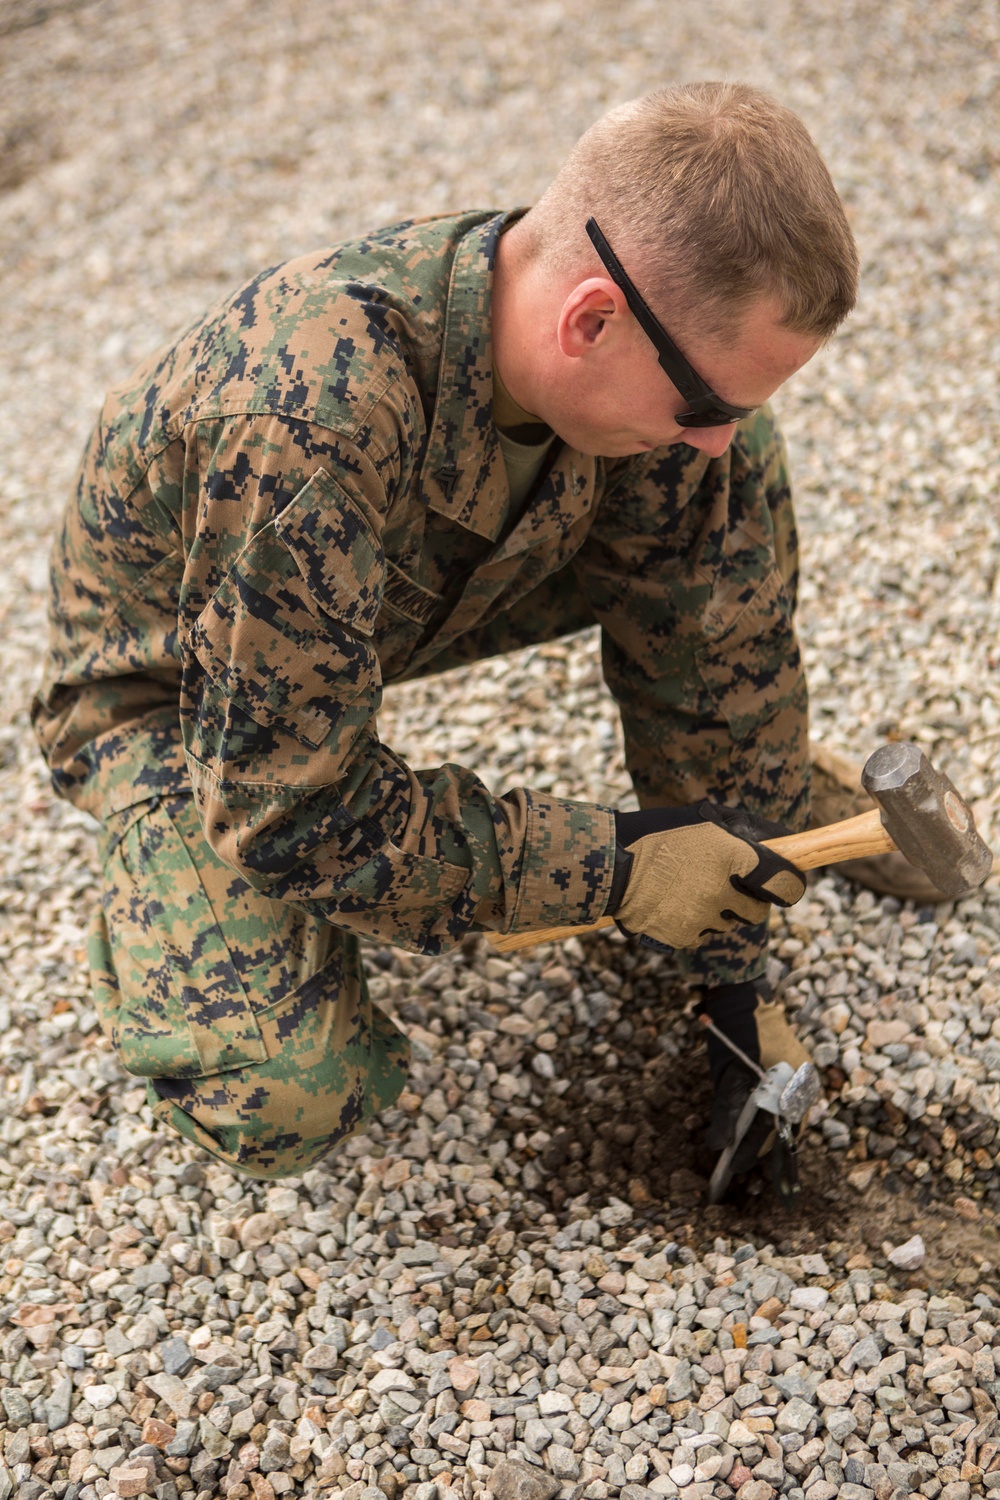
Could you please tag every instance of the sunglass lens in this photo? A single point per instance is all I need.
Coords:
(711, 418)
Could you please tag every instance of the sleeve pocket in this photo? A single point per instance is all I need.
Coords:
(285, 636)
(336, 550)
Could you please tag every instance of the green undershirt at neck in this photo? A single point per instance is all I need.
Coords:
(524, 441)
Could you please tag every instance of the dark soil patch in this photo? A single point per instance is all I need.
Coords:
(637, 1134)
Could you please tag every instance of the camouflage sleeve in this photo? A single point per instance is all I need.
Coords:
(691, 570)
(280, 696)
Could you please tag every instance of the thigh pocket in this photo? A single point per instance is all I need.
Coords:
(183, 1011)
(753, 668)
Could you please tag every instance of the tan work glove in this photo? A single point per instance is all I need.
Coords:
(702, 873)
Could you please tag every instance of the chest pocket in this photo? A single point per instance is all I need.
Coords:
(287, 634)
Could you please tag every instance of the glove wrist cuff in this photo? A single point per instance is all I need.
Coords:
(619, 879)
(719, 1000)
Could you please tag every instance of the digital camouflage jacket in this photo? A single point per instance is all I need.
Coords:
(303, 498)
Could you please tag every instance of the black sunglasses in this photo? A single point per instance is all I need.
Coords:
(704, 407)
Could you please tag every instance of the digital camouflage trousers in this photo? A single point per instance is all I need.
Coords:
(250, 1019)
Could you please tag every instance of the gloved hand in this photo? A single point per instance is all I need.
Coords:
(759, 1027)
(691, 872)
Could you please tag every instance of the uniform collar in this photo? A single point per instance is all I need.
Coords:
(463, 475)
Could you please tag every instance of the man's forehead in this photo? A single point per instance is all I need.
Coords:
(756, 357)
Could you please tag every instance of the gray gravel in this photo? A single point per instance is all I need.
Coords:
(511, 1281)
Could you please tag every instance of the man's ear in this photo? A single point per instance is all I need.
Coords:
(591, 314)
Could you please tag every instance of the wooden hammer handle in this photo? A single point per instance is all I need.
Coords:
(854, 838)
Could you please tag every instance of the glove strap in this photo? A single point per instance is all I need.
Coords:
(773, 879)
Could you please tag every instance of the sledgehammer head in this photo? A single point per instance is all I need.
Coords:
(926, 818)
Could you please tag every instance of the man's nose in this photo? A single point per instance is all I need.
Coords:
(711, 440)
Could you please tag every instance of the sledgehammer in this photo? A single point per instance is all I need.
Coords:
(919, 812)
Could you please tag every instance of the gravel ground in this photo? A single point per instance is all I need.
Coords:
(512, 1282)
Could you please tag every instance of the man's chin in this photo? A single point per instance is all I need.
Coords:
(634, 448)
(623, 448)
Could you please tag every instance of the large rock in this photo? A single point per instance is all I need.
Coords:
(274, 1454)
(57, 1407)
(176, 1356)
(514, 1480)
(137, 1477)
(173, 1391)
(258, 1230)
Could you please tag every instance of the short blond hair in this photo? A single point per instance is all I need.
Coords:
(713, 195)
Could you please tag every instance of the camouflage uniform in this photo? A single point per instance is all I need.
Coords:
(302, 498)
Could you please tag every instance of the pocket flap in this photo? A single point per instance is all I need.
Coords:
(336, 550)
